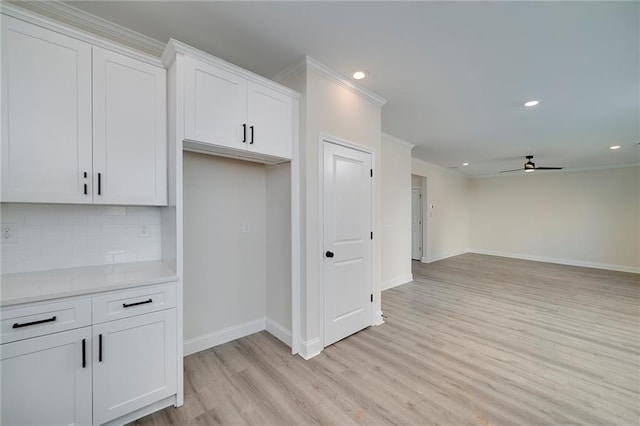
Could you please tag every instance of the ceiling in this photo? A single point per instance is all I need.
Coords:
(455, 74)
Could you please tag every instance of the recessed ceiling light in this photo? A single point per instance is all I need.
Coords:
(531, 103)
(359, 75)
(615, 147)
(465, 164)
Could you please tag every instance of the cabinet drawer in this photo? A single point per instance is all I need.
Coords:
(123, 304)
(38, 319)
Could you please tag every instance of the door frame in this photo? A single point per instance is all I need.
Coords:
(322, 140)
(419, 189)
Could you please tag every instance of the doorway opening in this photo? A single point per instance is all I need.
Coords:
(418, 225)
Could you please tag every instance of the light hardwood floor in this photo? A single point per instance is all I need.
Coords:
(475, 339)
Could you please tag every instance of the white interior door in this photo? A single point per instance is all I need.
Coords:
(348, 281)
(416, 223)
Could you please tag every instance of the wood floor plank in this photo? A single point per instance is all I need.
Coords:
(473, 340)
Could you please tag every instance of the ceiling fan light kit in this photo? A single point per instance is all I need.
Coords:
(530, 166)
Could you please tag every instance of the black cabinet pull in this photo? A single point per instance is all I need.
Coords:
(27, 324)
(84, 353)
(244, 133)
(128, 305)
(99, 183)
(251, 143)
(100, 348)
(329, 254)
(85, 189)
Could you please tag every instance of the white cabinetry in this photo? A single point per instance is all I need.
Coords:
(94, 373)
(134, 363)
(129, 130)
(230, 108)
(68, 140)
(46, 115)
(215, 106)
(47, 380)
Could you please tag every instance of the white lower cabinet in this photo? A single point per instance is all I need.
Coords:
(47, 380)
(134, 363)
(88, 374)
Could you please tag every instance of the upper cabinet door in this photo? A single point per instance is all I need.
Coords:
(46, 115)
(215, 107)
(129, 131)
(270, 121)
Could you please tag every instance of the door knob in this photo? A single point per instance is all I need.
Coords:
(329, 254)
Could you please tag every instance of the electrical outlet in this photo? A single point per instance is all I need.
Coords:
(9, 234)
(143, 231)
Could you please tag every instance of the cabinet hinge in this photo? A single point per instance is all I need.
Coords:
(371, 172)
(372, 298)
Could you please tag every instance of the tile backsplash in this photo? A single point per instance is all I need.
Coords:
(47, 237)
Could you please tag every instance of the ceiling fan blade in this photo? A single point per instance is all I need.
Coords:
(549, 168)
(514, 170)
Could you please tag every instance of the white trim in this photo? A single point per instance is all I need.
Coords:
(403, 279)
(311, 348)
(379, 319)
(225, 335)
(291, 71)
(141, 412)
(174, 47)
(86, 27)
(443, 256)
(278, 331)
(296, 234)
(387, 137)
(322, 70)
(569, 262)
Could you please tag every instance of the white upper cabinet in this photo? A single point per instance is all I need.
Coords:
(271, 121)
(46, 115)
(129, 131)
(215, 105)
(77, 130)
(232, 112)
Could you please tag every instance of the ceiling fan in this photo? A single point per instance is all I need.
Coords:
(530, 166)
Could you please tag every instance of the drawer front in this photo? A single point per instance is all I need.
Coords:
(128, 303)
(37, 319)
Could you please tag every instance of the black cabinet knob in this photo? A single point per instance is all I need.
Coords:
(329, 254)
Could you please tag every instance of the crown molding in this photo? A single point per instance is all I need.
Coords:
(175, 47)
(343, 81)
(310, 64)
(389, 138)
(37, 11)
(291, 71)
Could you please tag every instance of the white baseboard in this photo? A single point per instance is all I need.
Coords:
(379, 319)
(570, 262)
(207, 341)
(311, 348)
(278, 331)
(443, 256)
(397, 281)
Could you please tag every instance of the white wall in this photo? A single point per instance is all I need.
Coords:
(447, 223)
(329, 108)
(586, 218)
(224, 267)
(396, 212)
(67, 236)
(278, 251)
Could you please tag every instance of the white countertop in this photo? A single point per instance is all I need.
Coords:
(44, 285)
